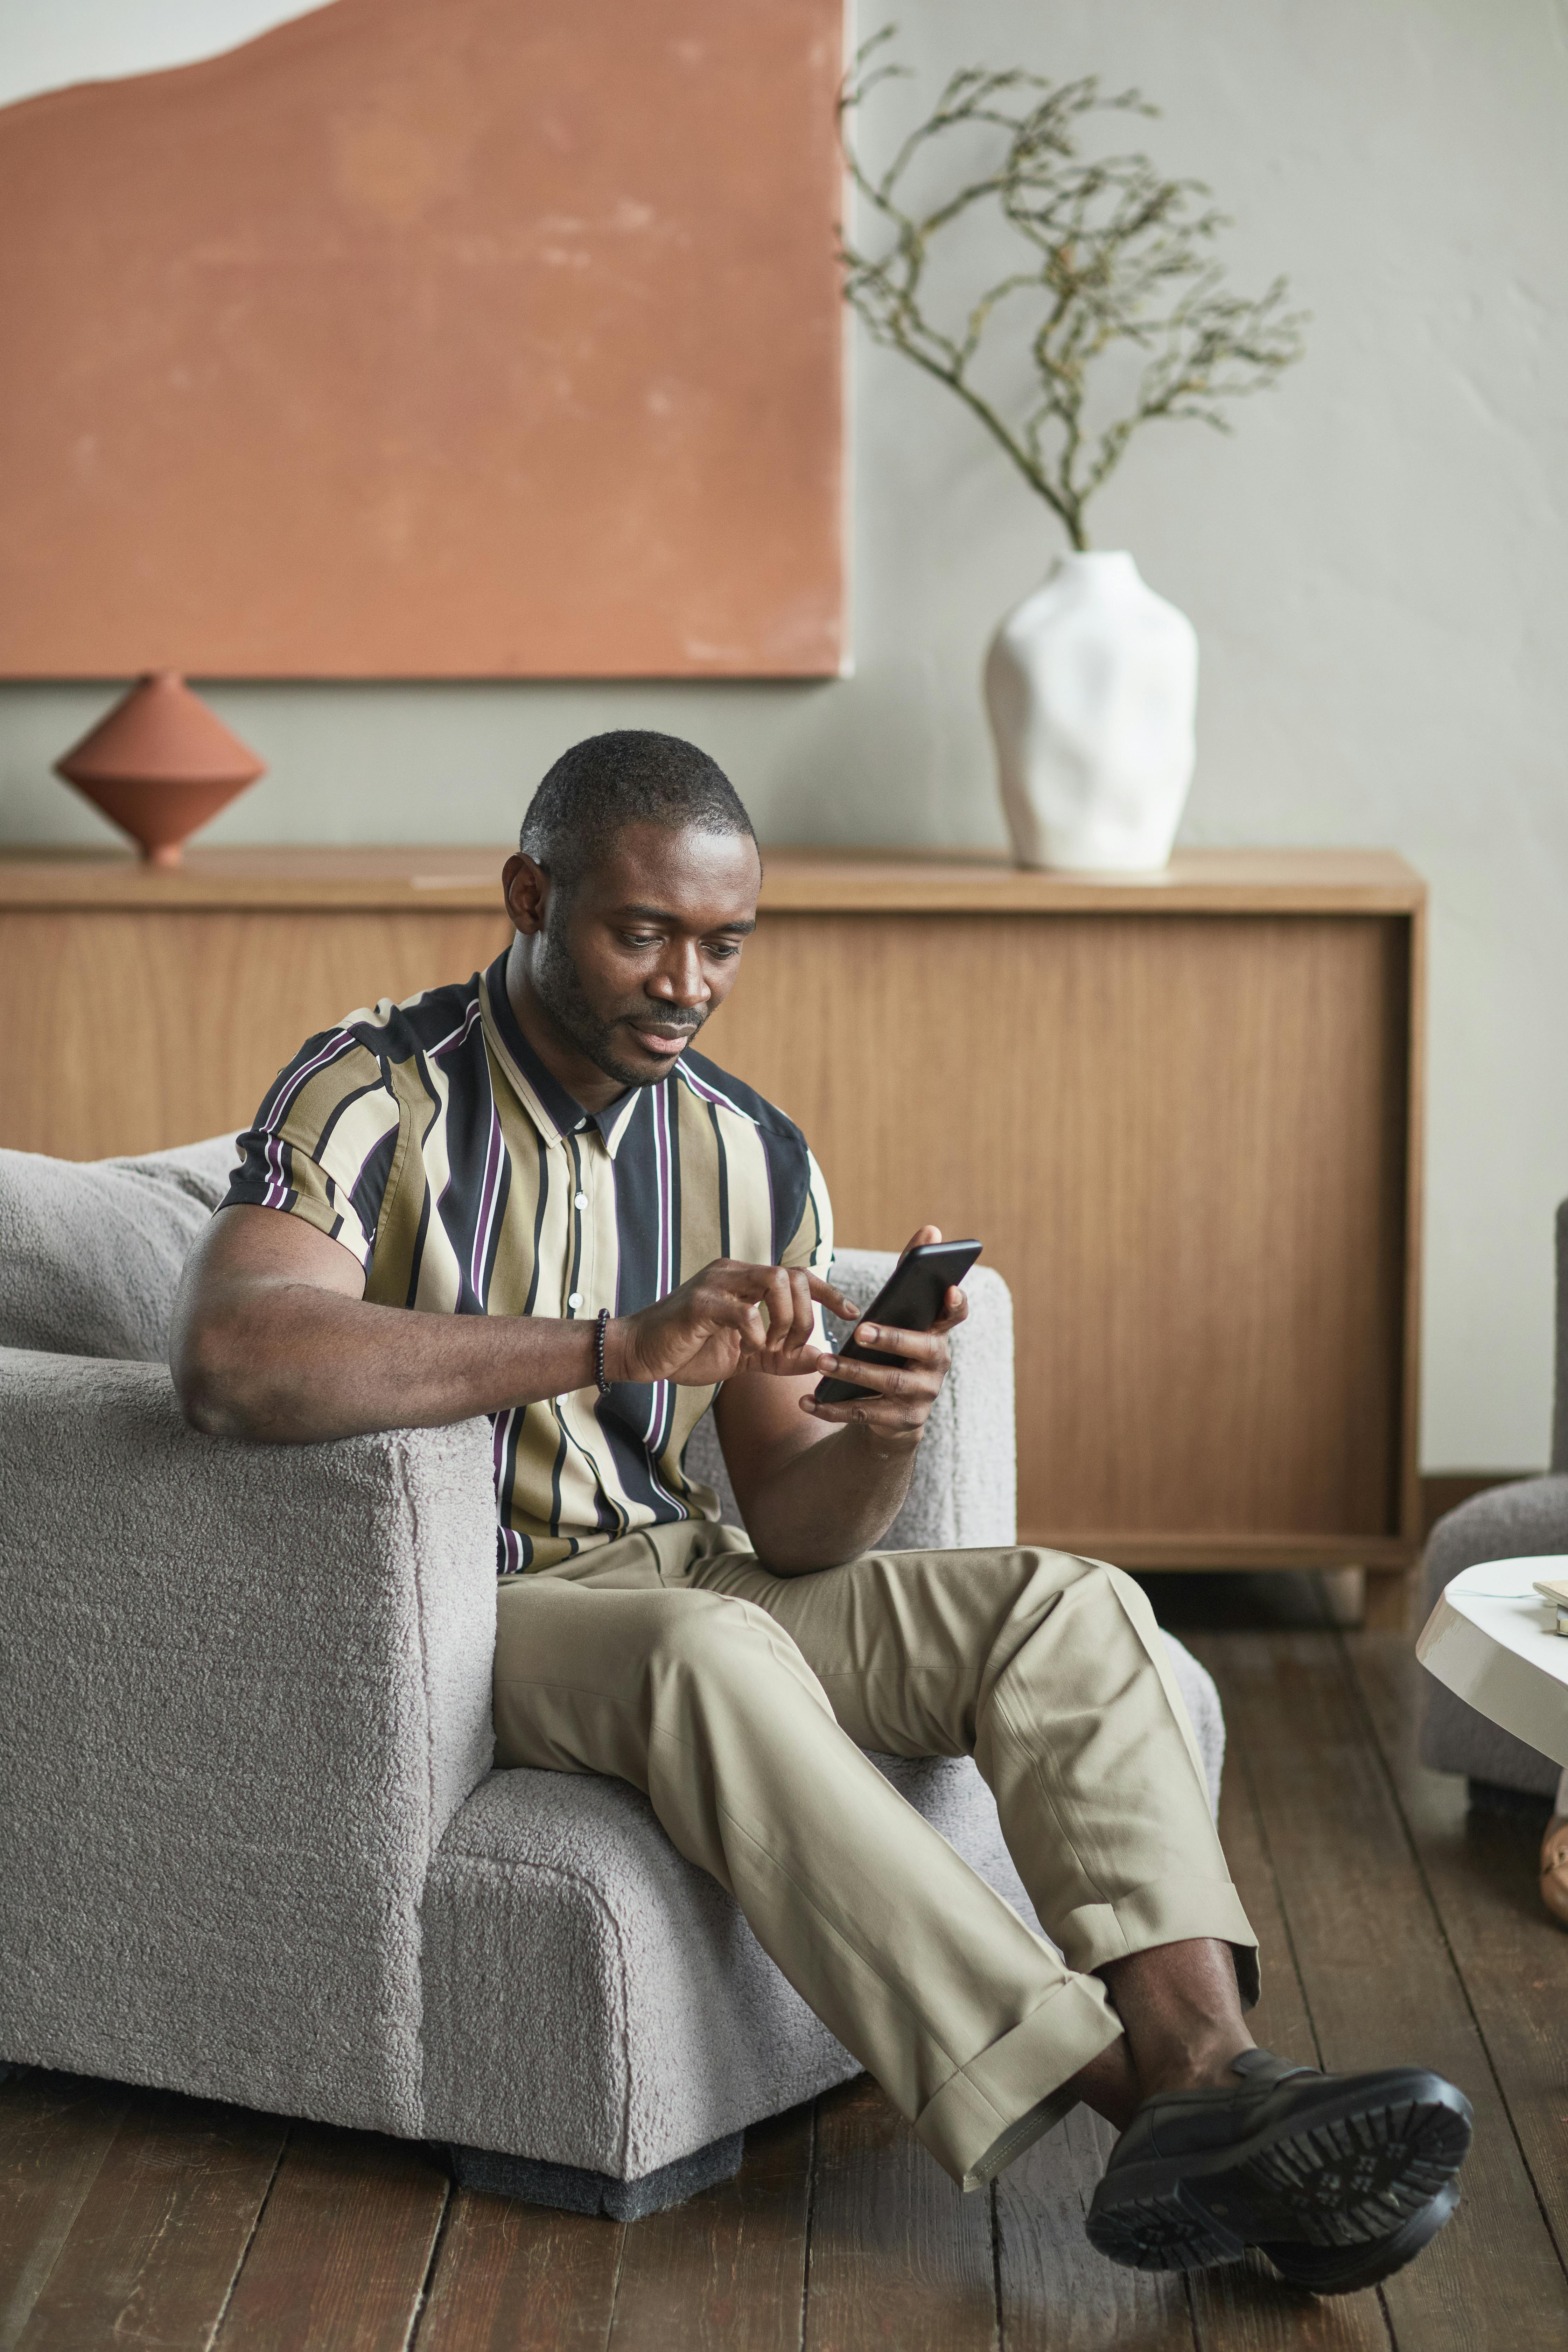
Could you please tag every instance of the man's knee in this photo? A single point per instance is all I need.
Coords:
(711, 1637)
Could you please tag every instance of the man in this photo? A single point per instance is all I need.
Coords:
(602, 1235)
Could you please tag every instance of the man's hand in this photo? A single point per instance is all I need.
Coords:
(895, 1414)
(730, 1318)
(812, 1496)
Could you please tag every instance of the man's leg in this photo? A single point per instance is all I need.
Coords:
(620, 1665)
(1051, 1671)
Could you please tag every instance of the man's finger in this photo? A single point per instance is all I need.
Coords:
(917, 1347)
(828, 1296)
(882, 1379)
(882, 1420)
(802, 1321)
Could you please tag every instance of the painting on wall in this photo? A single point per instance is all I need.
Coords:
(432, 339)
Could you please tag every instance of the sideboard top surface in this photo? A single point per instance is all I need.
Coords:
(1197, 881)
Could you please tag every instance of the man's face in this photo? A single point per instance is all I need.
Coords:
(646, 948)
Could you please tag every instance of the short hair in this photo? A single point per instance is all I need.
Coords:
(630, 776)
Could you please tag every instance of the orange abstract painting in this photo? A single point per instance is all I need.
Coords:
(432, 339)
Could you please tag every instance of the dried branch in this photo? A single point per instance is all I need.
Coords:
(1113, 254)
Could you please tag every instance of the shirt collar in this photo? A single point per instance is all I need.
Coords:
(553, 1111)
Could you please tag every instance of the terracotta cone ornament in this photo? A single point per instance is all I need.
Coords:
(160, 765)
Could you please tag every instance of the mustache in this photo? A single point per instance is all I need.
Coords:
(686, 1027)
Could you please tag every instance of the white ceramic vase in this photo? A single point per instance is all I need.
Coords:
(1092, 683)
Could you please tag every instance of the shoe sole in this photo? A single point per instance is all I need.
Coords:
(1347, 2270)
(1358, 2165)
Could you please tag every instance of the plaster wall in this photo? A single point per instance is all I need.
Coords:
(1375, 566)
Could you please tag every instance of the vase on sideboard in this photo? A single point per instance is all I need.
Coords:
(160, 764)
(1091, 690)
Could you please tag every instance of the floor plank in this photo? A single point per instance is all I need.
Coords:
(156, 2244)
(520, 2278)
(1057, 2294)
(339, 2255)
(55, 2132)
(727, 2271)
(1245, 2306)
(1379, 1984)
(1512, 1955)
(899, 2256)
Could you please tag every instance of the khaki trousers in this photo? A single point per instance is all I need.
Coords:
(739, 1702)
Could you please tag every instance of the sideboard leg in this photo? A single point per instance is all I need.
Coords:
(1390, 1592)
(1345, 1590)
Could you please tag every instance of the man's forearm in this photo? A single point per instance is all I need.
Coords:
(286, 1363)
(830, 1502)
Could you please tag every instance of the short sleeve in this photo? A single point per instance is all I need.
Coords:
(811, 1244)
(324, 1143)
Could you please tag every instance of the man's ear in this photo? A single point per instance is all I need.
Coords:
(526, 887)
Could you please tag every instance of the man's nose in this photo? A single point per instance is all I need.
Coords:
(681, 978)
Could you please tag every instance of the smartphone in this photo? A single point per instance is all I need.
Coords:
(910, 1300)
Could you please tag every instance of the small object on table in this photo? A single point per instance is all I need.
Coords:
(1554, 1592)
(160, 765)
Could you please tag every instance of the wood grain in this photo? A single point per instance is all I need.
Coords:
(511, 2277)
(55, 2134)
(1185, 1146)
(795, 881)
(340, 2256)
(1244, 2306)
(1380, 1982)
(1481, 1870)
(1057, 2294)
(192, 1014)
(727, 2271)
(161, 2234)
(901, 2259)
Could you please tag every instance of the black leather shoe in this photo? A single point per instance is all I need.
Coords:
(1345, 2270)
(1288, 2160)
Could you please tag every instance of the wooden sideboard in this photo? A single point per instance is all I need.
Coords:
(1182, 1112)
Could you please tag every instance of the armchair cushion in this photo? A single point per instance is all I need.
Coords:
(92, 1249)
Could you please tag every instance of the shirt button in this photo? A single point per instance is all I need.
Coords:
(582, 1200)
(576, 1301)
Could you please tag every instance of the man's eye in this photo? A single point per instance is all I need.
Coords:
(722, 950)
(640, 940)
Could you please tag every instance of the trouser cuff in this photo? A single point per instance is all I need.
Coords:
(1164, 1911)
(1002, 2101)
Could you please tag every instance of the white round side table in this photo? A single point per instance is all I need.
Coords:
(1487, 1640)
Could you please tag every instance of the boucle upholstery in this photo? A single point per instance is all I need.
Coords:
(243, 1691)
(250, 1844)
(91, 1250)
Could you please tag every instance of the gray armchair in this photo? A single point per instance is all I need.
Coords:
(1527, 1517)
(251, 1846)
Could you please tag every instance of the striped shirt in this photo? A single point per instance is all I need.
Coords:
(429, 1140)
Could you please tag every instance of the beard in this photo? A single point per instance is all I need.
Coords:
(559, 988)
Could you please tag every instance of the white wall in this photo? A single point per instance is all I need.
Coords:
(1375, 566)
(46, 43)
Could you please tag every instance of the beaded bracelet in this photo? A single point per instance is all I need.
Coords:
(599, 1351)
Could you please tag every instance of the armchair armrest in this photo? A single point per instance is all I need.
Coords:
(244, 1689)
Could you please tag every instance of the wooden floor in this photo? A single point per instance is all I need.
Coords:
(1391, 1925)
